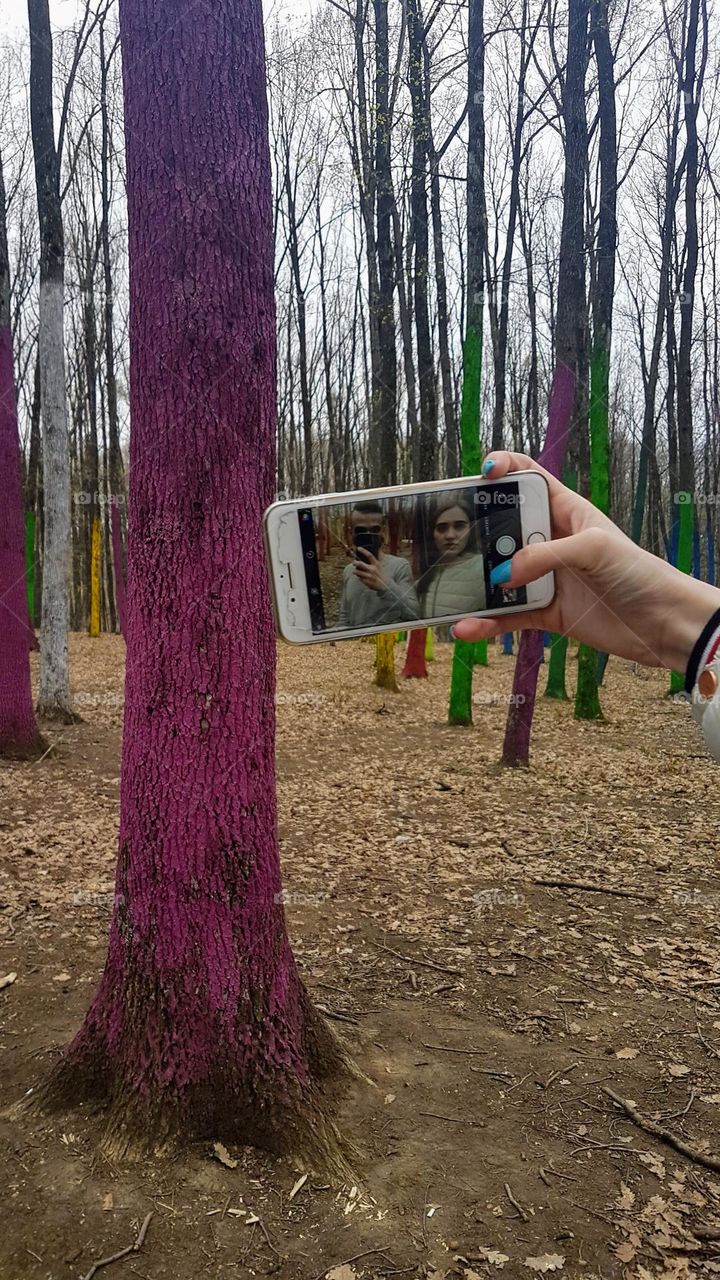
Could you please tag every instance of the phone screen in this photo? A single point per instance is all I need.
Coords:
(429, 556)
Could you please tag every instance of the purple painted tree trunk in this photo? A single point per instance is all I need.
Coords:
(118, 576)
(19, 736)
(516, 746)
(570, 326)
(201, 1025)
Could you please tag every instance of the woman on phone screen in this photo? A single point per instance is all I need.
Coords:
(452, 577)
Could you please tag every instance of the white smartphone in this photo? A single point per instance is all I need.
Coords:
(344, 565)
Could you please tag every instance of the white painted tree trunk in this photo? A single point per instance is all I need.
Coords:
(54, 694)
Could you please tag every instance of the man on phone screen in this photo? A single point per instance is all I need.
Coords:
(378, 588)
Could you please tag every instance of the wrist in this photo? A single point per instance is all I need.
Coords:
(690, 606)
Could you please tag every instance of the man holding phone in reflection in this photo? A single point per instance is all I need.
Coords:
(378, 588)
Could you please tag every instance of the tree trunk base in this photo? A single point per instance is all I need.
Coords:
(274, 1113)
(57, 713)
(33, 750)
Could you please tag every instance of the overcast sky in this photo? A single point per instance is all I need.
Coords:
(13, 13)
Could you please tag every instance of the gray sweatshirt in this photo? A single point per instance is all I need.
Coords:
(360, 606)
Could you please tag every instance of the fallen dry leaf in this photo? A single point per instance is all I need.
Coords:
(222, 1154)
(8, 980)
(547, 1262)
(492, 1256)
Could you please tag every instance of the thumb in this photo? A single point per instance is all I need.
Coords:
(582, 552)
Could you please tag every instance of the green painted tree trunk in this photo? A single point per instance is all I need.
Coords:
(587, 700)
(590, 669)
(555, 687)
(466, 655)
(460, 710)
(684, 561)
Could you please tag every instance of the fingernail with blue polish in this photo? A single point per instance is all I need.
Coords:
(501, 573)
(488, 466)
(452, 634)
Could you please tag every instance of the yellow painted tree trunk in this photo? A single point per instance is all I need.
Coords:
(429, 646)
(95, 579)
(385, 661)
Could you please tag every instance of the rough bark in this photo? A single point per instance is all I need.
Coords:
(427, 451)
(19, 736)
(54, 693)
(464, 654)
(569, 337)
(383, 457)
(415, 667)
(587, 701)
(201, 1025)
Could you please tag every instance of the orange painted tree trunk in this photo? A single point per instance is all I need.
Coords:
(201, 1025)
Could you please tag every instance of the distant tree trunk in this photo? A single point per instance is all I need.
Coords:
(92, 467)
(691, 78)
(118, 574)
(415, 667)
(503, 315)
(647, 446)
(201, 1026)
(34, 495)
(385, 676)
(54, 695)
(427, 459)
(569, 339)
(464, 653)
(116, 478)
(383, 459)
(19, 736)
(587, 702)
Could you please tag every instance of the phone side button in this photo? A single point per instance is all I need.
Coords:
(536, 537)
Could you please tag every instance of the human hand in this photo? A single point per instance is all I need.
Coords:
(610, 593)
(370, 573)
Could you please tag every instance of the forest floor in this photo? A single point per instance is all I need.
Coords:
(491, 1006)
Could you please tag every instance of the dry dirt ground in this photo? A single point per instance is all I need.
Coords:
(498, 948)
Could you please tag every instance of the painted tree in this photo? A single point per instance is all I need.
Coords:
(464, 653)
(690, 65)
(54, 694)
(201, 1024)
(569, 337)
(19, 736)
(587, 702)
(118, 573)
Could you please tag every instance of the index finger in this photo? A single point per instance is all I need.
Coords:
(504, 462)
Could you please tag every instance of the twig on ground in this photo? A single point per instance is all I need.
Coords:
(649, 1126)
(336, 1015)
(562, 1071)
(446, 1048)
(514, 1202)
(428, 964)
(122, 1253)
(558, 882)
(346, 1262)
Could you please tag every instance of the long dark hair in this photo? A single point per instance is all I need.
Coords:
(428, 513)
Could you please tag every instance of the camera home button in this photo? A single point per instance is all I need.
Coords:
(506, 545)
(536, 537)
